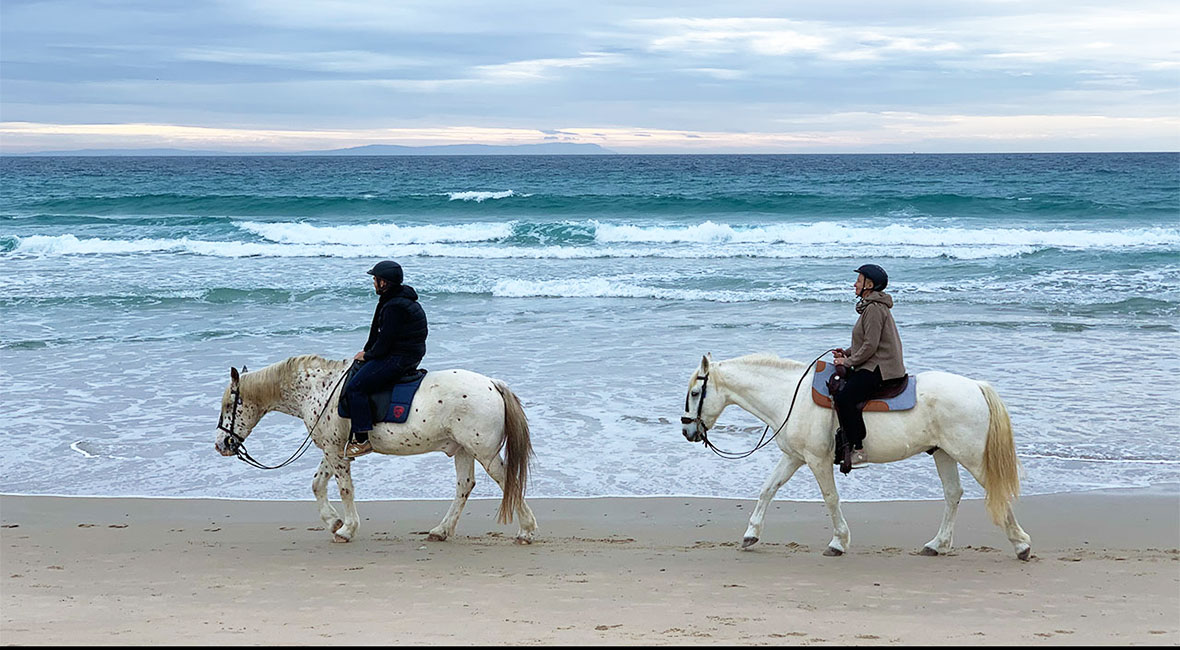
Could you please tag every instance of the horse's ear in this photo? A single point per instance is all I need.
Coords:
(705, 363)
(244, 369)
(233, 374)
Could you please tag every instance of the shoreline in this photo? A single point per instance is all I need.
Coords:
(1155, 489)
(603, 571)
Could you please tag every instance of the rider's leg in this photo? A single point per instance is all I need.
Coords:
(858, 387)
(373, 376)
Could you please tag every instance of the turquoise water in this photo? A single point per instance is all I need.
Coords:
(592, 285)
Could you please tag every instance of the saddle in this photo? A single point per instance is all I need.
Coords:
(893, 396)
(391, 405)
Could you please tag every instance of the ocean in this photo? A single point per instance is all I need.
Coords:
(592, 285)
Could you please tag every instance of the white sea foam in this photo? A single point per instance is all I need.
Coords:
(490, 240)
(480, 197)
(893, 234)
(377, 233)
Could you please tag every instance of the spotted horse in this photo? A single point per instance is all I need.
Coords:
(463, 414)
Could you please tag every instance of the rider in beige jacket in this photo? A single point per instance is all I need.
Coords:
(874, 360)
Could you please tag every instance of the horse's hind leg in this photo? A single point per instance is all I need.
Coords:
(495, 468)
(319, 487)
(1021, 542)
(787, 465)
(464, 484)
(952, 491)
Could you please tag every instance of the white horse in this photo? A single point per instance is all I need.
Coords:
(959, 420)
(461, 413)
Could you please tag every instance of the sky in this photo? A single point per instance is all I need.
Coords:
(632, 76)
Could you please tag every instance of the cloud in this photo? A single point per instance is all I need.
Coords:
(303, 73)
(537, 69)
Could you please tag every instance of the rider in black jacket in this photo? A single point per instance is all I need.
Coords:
(397, 343)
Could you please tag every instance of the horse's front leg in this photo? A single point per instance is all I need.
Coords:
(319, 487)
(464, 484)
(841, 539)
(782, 473)
(342, 470)
(952, 490)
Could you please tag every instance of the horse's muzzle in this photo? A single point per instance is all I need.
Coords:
(227, 446)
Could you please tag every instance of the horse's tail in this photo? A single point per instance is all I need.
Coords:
(1001, 468)
(518, 450)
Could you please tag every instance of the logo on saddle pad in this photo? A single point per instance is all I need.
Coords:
(903, 401)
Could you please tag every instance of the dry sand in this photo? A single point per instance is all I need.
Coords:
(609, 571)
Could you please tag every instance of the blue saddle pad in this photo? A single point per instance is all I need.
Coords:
(901, 402)
(391, 405)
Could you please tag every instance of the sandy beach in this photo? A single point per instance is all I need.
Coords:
(609, 571)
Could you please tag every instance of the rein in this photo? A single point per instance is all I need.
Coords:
(239, 443)
(763, 441)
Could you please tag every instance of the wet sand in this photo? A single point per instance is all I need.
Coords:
(604, 571)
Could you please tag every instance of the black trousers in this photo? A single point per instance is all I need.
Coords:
(374, 375)
(859, 386)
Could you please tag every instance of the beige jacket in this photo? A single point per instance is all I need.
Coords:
(875, 341)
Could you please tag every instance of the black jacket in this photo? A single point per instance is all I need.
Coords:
(399, 326)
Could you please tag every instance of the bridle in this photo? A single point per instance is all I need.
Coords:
(237, 444)
(700, 404)
(763, 441)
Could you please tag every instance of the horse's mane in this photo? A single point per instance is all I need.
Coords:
(767, 359)
(266, 385)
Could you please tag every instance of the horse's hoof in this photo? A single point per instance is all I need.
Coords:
(339, 539)
(928, 552)
(435, 537)
(523, 541)
(1024, 555)
(833, 552)
(336, 526)
(749, 541)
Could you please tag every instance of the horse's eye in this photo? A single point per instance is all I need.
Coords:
(695, 393)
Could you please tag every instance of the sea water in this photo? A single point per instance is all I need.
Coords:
(592, 285)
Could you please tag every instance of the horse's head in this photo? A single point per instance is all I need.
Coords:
(237, 419)
(702, 406)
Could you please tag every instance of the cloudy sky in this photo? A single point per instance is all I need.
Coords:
(632, 76)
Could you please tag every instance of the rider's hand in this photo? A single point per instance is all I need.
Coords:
(360, 356)
(838, 353)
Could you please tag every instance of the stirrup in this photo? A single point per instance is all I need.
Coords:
(355, 449)
(858, 458)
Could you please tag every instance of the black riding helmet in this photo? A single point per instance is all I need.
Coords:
(875, 273)
(388, 270)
